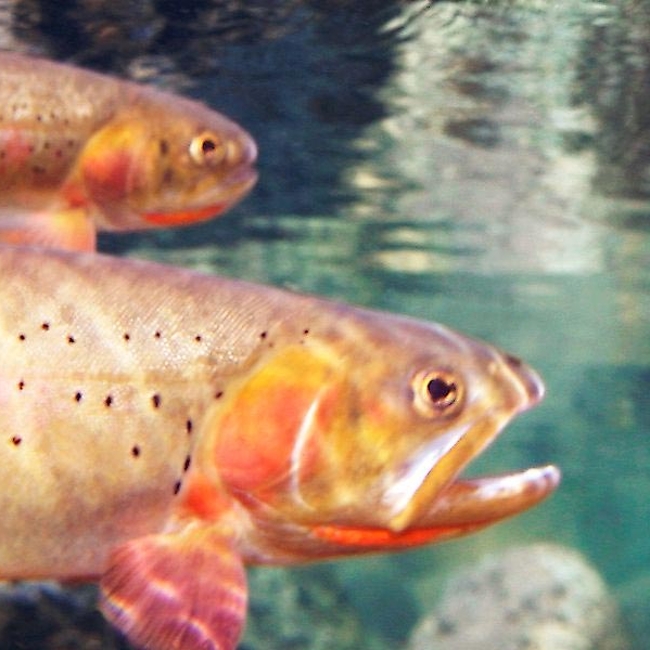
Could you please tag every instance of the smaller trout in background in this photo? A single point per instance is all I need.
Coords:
(82, 151)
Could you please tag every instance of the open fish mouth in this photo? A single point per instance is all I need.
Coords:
(478, 502)
(431, 494)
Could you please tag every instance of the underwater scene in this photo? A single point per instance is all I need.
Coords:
(482, 164)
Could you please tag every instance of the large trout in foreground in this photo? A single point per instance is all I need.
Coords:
(81, 151)
(161, 428)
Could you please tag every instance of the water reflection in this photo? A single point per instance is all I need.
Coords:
(475, 135)
(614, 73)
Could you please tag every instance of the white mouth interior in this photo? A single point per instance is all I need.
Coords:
(400, 490)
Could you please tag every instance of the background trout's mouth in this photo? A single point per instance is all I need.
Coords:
(221, 199)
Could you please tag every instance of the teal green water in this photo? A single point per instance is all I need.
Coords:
(486, 165)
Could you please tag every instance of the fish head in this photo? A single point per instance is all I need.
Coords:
(165, 161)
(353, 438)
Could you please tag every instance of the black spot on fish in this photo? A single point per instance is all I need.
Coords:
(188, 426)
(78, 396)
(198, 338)
(177, 487)
(155, 400)
(21, 385)
(45, 326)
(186, 464)
(164, 147)
(305, 331)
(126, 336)
(263, 335)
(71, 339)
(218, 394)
(16, 440)
(157, 334)
(21, 337)
(108, 401)
(135, 451)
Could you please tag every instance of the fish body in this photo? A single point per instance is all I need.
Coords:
(161, 428)
(81, 151)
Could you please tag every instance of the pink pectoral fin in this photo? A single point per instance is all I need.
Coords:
(185, 591)
(69, 230)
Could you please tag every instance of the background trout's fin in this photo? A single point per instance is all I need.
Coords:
(67, 229)
(180, 591)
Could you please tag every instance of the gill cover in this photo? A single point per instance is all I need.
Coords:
(313, 438)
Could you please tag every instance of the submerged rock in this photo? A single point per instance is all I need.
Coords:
(537, 597)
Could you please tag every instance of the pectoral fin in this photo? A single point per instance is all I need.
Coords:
(68, 229)
(185, 591)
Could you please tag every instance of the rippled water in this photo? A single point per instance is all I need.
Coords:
(487, 167)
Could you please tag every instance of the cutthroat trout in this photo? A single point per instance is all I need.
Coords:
(161, 428)
(81, 151)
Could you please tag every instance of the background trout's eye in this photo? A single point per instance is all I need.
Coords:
(207, 149)
(435, 392)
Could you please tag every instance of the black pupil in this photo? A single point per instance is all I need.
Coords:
(439, 390)
(208, 145)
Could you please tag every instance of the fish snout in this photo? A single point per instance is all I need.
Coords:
(527, 381)
(241, 150)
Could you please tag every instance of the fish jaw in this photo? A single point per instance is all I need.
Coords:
(465, 507)
(224, 198)
(485, 500)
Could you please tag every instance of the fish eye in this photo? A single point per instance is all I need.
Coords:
(435, 392)
(207, 149)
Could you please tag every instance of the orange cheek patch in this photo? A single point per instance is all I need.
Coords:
(272, 422)
(257, 436)
(106, 175)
